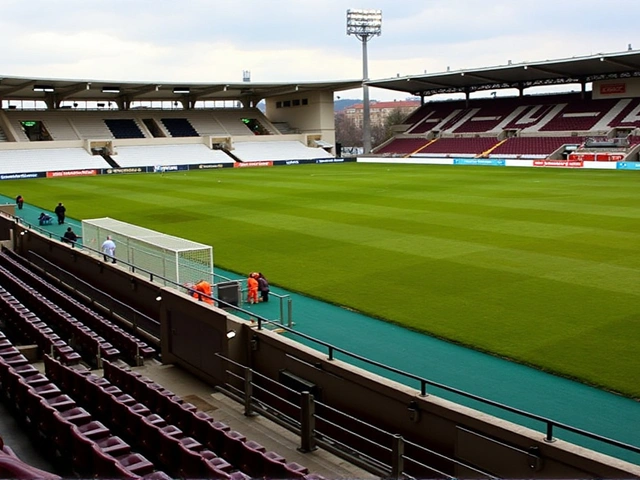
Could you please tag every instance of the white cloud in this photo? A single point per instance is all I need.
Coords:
(285, 40)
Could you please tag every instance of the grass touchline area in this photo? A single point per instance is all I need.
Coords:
(537, 265)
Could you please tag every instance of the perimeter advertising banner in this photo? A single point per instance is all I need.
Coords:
(494, 162)
(73, 173)
(331, 160)
(21, 176)
(628, 165)
(268, 163)
(307, 161)
(113, 171)
(208, 166)
(559, 163)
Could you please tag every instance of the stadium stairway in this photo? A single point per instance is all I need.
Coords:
(516, 385)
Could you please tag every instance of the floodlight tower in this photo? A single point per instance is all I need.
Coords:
(365, 24)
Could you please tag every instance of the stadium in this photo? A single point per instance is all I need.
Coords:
(117, 371)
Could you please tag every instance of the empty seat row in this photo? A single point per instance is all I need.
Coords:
(11, 466)
(84, 339)
(552, 113)
(123, 128)
(184, 418)
(30, 329)
(172, 431)
(129, 345)
(166, 444)
(67, 432)
(179, 127)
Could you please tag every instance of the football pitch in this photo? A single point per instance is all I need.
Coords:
(541, 266)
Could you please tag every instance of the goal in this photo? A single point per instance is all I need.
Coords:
(173, 258)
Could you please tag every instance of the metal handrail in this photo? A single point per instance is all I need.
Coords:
(108, 302)
(550, 424)
(318, 434)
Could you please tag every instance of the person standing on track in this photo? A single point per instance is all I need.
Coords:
(60, 212)
(252, 284)
(263, 287)
(109, 249)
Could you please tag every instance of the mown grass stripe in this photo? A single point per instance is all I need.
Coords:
(537, 265)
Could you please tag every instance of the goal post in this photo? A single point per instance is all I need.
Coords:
(173, 258)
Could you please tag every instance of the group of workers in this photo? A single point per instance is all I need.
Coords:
(256, 282)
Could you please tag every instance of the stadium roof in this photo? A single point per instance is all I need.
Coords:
(28, 88)
(602, 66)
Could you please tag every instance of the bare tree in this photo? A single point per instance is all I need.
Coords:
(380, 133)
(347, 132)
(395, 117)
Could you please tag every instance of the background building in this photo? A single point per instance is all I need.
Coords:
(380, 111)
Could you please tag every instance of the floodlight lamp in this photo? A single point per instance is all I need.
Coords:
(159, 298)
(231, 334)
(43, 88)
(110, 89)
(364, 23)
(182, 90)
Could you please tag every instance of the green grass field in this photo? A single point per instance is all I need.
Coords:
(541, 266)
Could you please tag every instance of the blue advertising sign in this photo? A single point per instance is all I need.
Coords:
(628, 165)
(493, 162)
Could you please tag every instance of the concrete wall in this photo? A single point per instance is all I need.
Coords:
(193, 332)
(315, 117)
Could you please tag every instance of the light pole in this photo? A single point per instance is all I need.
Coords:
(365, 24)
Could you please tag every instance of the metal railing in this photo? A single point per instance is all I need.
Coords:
(316, 423)
(285, 305)
(96, 297)
(423, 383)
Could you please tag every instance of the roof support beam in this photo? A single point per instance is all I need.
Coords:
(619, 63)
(548, 71)
(66, 92)
(9, 90)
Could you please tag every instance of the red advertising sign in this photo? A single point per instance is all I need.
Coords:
(609, 157)
(613, 88)
(72, 173)
(253, 164)
(583, 157)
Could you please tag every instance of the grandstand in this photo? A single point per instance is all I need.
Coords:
(86, 131)
(525, 127)
(94, 355)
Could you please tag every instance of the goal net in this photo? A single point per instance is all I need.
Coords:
(176, 259)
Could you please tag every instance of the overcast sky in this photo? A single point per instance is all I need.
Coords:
(298, 40)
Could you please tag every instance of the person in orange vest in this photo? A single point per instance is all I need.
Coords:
(202, 291)
(252, 283)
